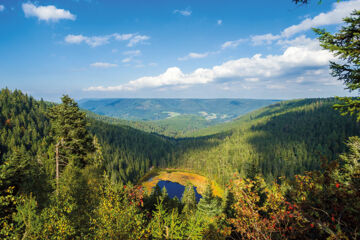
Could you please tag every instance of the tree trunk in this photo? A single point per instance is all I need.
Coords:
(57, 167)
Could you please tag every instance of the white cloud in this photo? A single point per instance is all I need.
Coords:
(183, 12)
(103, 65)
(335, 16)
(91, 41)
(295, 59)
(2, 8)
(219, 22)
(46, 13)
(122, 37)
(74, 39)
(232, 44)
(266, 38)
(95, 41)
(126, 60)
(194, 55)
(133, 53)
(252, 79)
(275, 86)
(137, 39)
(298, 41)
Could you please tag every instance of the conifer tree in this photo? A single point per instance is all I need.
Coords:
(346, 46)
(69, 129)
(208, 204)
(189, 199)
(227, 202)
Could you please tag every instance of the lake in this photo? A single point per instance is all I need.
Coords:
(175, 189)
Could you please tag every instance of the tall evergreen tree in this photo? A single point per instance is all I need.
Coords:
(69, 129)
(346, 46)
(208, 204)
(189, 199)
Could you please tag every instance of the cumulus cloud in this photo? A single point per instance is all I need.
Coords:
(266, 38)
(103, 65)
(46, 13)
(185, 12)
(232, 44)
(95, 41)
(294, 60)
(335, 16)
(193, 55)
(2, 8)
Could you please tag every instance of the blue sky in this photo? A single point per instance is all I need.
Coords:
(169, 48)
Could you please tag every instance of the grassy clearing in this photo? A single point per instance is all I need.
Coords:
(180, 176)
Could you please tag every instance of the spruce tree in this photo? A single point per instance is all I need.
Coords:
(189, 199)
(208, 204)
(346, 46)
(69, 130)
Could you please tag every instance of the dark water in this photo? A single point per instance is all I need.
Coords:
(175, 189)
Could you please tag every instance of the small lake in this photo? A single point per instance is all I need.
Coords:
(175, 189)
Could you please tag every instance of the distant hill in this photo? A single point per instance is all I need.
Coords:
(215, 110)
(170, 117)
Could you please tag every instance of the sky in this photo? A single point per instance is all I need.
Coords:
(169, 48)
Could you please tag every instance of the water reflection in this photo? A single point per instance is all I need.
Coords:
(175, 189)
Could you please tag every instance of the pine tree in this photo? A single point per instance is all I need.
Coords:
(164, 194)
(346, 46)
(72, 139)
(227, 202)
(69, 129)
(189, 199)
(208, 204)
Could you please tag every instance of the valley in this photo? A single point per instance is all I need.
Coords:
(171, 117)
(174, 120)
(193, 181)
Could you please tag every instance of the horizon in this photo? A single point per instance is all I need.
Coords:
(169, 49)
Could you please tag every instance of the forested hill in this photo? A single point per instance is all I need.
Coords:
(25, 130)
(216, 110)
(170, 117)
(279, 140)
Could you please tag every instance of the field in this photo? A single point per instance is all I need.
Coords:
(180, 176)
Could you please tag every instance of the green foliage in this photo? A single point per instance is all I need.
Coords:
(189, 199)
(92, 203)
(330, 200)
(345, 45)
(119, 216)
(69, 130)
(129, 153)
(208, 204)
(283, 139)
(262, 212)
(169, 224)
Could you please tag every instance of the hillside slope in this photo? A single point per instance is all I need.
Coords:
(25, 128)
(279, 140)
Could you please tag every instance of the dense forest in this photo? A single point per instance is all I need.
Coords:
(283, 139)
(290, 170)
(62, 175)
